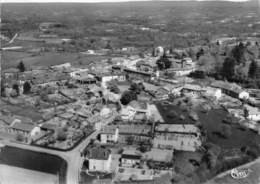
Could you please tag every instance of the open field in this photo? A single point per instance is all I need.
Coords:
(15, 175)
(11, 59)
(22, 110)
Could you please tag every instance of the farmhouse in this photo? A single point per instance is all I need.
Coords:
(25, 129)
(232, 90)
(193, 89)
(99, 159)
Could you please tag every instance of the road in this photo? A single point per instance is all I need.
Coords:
(73, 158)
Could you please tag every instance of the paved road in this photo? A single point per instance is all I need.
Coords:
(72, 157)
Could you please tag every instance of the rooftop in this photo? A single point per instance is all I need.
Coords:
(228, 86)
(99, 153)
(181, 128)
(127, 129)
(23, 126)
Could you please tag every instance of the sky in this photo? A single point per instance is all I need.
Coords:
(91, 1)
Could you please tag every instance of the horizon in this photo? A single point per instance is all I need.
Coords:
(109, 1)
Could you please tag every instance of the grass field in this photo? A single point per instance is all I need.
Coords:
(20, 110)
(15, 175)
(11, 59)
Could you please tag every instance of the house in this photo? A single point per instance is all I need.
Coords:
(109, 134)
(184, 137)
(133, 108)
(181, 71)
(159, 51)
(193, 89)
(145, 66)
(130, 158)
(162, 93)
(99, 159)
(213, 92)
(253, 113)
(128, 113)
(108, 76)
(231, 89)
(136, 74)
(11, 73)
(121, 132)
(26, 129)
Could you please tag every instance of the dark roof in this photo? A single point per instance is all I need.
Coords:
(132, 157)
(137, 71)
(48, 126)
(99, 153)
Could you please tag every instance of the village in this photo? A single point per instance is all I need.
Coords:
(156, 93)
(152, 121)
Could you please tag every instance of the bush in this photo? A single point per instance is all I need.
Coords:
(61, 135)
(20, 137)
(127, 97)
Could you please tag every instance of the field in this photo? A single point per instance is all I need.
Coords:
(11, 59)
(14, 175)
(22, 110)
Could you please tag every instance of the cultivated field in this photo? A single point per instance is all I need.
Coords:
(15, 175)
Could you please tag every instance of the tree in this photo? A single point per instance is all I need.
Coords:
(61, 135)
(21, 66)
(228, 68)
(2, 89)
(200, 53)
(238, 53)
(108, 46)
(252, 69)
(137, 87)
(44, 95)
(163, 63)
(16, 88)
(226, 131)
(246, 113)
(26, 87)
(127, 97)
(19, 137)
(129, 140)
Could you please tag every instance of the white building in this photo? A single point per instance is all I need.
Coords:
(213, 92)
(253, 113)
(109, 77)
(159, 51)
(130, 158)
(99, 159)
(109, 135)
(61, 66)
(243, 95)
